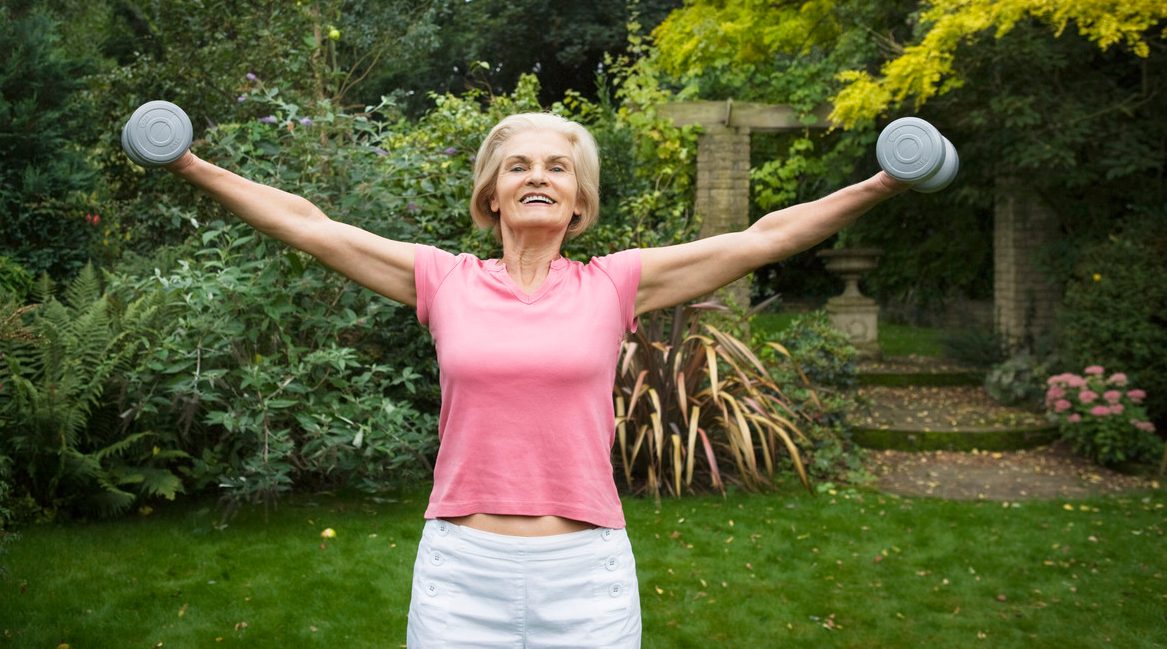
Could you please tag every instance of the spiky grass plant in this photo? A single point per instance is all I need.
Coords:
(681, 382)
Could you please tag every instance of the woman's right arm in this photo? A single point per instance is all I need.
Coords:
(377, 263)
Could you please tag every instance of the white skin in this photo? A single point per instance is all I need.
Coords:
(538, 162)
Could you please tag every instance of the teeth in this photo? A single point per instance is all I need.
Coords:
(536, 198)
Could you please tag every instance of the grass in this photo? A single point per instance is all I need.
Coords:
(842, 569)
(894, 339)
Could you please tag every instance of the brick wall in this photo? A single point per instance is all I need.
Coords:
(1024, 298)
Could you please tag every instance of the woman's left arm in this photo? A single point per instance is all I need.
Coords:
(675, 274)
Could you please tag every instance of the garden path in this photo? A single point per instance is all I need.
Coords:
(1045, 472)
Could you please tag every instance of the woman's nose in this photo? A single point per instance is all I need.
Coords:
(536, 176)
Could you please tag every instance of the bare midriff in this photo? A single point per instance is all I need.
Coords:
(521, 525)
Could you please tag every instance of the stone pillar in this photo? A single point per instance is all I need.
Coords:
(723, 192)
(1024, 297)
(723, 162)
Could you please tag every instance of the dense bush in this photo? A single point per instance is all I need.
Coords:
(268, 373)
(815, 365)
(45, 179)
(59, 384)
(1018, 381)
(1115, 309)
(1102, 416)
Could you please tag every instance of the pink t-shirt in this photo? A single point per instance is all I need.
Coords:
(527, 422)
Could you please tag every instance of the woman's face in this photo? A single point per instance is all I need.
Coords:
(536, 185)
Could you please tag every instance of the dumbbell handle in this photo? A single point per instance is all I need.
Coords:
(913, 151)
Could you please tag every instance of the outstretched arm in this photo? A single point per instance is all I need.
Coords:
(377, 263)
(675, 274)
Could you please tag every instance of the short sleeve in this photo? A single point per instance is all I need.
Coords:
(430, 268)
(623, 269)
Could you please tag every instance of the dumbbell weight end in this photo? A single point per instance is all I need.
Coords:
(911, 150)
(157, 134)
(943, 176)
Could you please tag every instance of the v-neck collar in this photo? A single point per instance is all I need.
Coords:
(554, 273)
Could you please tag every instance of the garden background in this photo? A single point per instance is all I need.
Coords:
(156, 354)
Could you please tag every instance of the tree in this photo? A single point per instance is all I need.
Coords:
(45, 178)
(927, 68)
(490, 44)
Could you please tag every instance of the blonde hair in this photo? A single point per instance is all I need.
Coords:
(584, 154)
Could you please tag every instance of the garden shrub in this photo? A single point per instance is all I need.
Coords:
(1103, 417)
(1114, 312)
(269, 373)
(819, 374)
(59, 380)
(695, 405)
(1019, 381)
(15, 281)
(46, 180)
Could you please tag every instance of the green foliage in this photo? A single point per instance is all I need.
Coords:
(1114, 306)
(820, 352)
(71, 450)
(680, 382)
(45, 179)
(1019, 381)
(565, 46)
(277, 374)
(15, 281)
(1102, 416)
(817, 367)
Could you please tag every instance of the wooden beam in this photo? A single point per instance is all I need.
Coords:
(754, 116)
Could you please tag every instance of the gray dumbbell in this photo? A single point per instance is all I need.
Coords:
(913, 151)
(157, 134)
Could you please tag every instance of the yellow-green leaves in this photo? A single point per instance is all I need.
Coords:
(925, 69)
(704, 35)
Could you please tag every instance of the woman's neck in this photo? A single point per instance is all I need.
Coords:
(529, 267)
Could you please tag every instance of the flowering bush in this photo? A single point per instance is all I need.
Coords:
(1102, 417)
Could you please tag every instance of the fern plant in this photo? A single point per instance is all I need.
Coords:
(69, 449)
(690, 400)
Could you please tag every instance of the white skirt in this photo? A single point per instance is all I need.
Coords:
(483, 590)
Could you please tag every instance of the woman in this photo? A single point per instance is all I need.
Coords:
(524, 542)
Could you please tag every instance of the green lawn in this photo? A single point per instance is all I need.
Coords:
(852, 569)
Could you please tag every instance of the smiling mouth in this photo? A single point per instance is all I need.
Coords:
(532, 199)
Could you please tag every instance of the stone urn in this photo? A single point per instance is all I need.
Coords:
(853, 313)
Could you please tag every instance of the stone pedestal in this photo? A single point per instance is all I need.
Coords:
(853, 313)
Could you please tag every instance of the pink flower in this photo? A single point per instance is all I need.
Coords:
(1061, 405)
(1100, 411)
(1086, 396)
(1137, 395)
(1054, 393)
(1075, 381)
(1112, 396)
(1094, 369)
(1118, 378)
(1074, 418)
(1145, 426)
(1116, 409)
